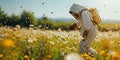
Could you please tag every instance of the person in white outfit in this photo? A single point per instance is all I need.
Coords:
(88, 29)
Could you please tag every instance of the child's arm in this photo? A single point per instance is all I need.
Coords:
(74, 26)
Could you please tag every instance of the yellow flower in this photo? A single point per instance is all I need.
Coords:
(26, 57)
(116, 56)
(93, 58)
(8, 43)
(102, 52)
(1, 55)
(86, 56)
(106, 43)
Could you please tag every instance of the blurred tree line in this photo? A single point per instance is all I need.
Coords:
(27, 18)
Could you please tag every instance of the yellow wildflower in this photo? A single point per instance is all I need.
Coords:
(116, 56)
(106, 43)
(93, 58)
(26, 57)
(8, 43)
(1, 55)
(102, 52)
(86, 56)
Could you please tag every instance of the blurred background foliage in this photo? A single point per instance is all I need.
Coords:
(26, 19)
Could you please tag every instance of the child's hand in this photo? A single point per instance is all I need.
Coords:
(72, 27)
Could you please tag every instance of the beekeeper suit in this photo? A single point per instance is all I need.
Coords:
(88, 29)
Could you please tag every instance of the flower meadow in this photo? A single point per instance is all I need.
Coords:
(36, 44)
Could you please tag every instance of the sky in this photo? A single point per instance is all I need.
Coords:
(108, 9)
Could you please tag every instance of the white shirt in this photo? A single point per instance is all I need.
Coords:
(85, 22)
